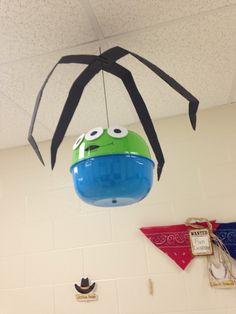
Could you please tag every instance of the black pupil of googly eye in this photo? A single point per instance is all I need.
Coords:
(117, 131)
(78, 141)
(93, 133)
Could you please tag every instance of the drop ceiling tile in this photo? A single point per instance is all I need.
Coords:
(14, 125)
(22, 80)
(199, 53)
(34, 27)
(121, 16)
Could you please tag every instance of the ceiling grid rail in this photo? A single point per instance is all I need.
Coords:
(93, 20)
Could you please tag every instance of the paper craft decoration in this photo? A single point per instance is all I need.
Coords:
(220, 268)
(85, 290)
(220, 274)
(200, 241)
(111, 167)
(174, 241)
(107, 62)
(227, 234)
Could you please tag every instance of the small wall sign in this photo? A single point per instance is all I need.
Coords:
(85, 291)
(200, 241)
(220, 276)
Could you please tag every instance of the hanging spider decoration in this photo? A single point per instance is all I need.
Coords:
(107, 61)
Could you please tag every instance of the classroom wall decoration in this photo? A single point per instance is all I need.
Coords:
(106, 61)
(85, 291)
(174, 241)
(220, 271)
(197, 237)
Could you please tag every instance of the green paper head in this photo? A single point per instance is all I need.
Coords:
(114, 140)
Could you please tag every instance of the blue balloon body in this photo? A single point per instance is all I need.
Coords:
(113, 180)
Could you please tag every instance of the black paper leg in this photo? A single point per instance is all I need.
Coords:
(77, 89)
(193, 102)
(116, 53)
(35, 112)
(70, 106)
(83, 59)
(141, 110)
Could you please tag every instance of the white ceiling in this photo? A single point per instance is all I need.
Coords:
(193, 41)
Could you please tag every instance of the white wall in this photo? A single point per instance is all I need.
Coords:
(49, 239)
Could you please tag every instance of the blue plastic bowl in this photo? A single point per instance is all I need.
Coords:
(113, 180)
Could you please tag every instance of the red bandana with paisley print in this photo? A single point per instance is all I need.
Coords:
(174, 241)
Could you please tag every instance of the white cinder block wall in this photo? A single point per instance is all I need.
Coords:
(49, 239)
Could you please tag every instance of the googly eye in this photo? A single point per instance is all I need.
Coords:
(94, 134)
(117, 132)
(78, 141)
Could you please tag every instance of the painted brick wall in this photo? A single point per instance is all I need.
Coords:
(49, 239)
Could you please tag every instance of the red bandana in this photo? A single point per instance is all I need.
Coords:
(174, 241)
